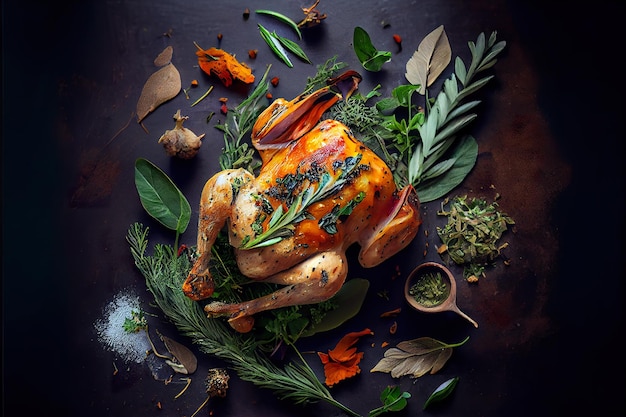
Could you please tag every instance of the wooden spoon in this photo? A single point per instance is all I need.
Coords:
(449, 304)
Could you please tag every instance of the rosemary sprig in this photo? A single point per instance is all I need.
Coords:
(238, 123)
(281, 224)
(164, 273)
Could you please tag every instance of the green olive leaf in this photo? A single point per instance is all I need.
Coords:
(442, 391)
(160, 197)
(416, 357)
(349, 300)
(371, 59)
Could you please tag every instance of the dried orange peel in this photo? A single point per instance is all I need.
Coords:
(223, 65)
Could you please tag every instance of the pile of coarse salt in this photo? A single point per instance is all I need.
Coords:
(131, 347)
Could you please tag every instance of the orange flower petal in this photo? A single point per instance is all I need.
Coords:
(344, 351)
(342, 362)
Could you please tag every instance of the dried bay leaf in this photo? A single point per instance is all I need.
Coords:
(416, 357)
(160, 87)
(432, 56)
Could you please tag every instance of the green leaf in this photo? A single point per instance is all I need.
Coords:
(160, 197)
(275, 46)
(442, 391)
(465, 153)
(349, 300)
(371, 59)
(283, 19)
(393, 399)
(292, 46)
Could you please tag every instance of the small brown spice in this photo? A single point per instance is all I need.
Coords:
(269, 96)
(275, 81)
(397, 39)
(246, 13)
(252, 53)
(194, 83)
(219, 36)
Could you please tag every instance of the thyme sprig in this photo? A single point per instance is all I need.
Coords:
(282, 223)
(165, 272)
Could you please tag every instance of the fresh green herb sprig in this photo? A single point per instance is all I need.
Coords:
(281, 224)
(446, 118)
(393, 399)
(472, 234)
(238, 123)
(165, 272)
(324, 72)
(136, 322)
(424, 145)
(283, 18)
(278, 44)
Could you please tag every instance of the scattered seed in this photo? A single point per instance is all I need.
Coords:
(397, 39)
(246, 13)
(219, 36)
(275, 81)
(393, 328)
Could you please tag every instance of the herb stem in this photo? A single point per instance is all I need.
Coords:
(203, 96)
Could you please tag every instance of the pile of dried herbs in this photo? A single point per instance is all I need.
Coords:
(472, 235)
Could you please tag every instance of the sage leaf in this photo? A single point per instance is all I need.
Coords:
(416, 357)
(432, 56)
(442, 391)
(160, 197)
(371, 59)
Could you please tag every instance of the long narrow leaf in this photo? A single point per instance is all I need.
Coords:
(283, 19)
(465, 152)
(293, 47)
(275, 46)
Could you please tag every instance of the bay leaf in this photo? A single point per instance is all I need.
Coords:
(415, 357)
(160, 197)
(161, 86)
(432, 56)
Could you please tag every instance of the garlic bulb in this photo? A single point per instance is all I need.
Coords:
(180, 141)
